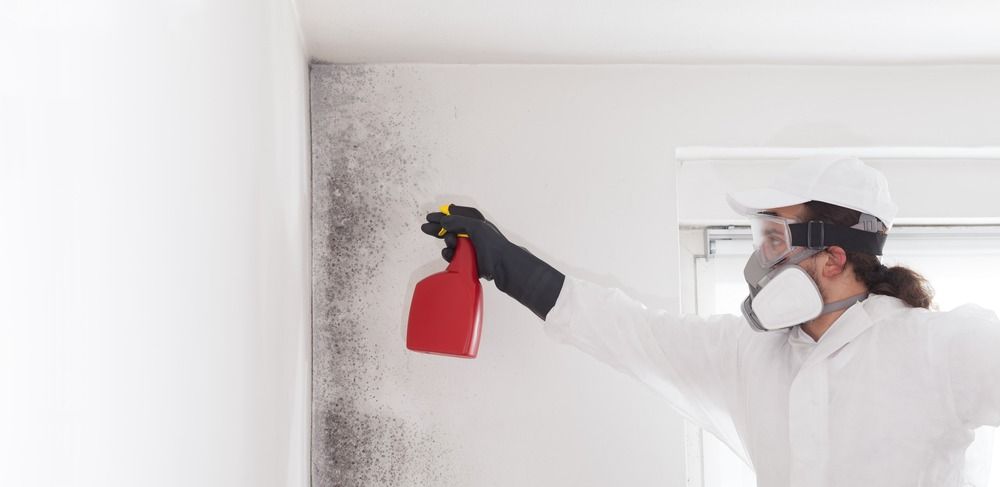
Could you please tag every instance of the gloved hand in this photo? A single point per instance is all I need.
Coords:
(514, 270)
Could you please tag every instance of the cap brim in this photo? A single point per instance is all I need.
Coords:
(754, 200)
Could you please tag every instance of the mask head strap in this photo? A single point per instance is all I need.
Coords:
(819, 234)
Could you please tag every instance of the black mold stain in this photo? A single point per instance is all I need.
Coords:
(364, 170)
(391, 459)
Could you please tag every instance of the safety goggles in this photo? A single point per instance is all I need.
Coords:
(775, 237)
(772, 238)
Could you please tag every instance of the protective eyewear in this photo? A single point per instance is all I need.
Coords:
(772, 238)
(775, 237)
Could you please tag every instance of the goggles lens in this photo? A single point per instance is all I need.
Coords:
(772, 239)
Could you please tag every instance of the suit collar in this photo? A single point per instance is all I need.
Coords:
(851, 323)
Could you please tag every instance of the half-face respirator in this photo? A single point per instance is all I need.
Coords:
(783, 294)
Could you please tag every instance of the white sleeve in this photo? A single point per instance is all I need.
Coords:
(972, 339)
(689, 360)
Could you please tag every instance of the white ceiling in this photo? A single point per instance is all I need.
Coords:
(648, 31)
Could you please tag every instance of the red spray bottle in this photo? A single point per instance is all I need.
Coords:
(446, 312)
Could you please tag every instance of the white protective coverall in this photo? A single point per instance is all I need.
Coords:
(889, 395)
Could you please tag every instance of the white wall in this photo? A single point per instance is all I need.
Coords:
(154, 318)
(575, 163)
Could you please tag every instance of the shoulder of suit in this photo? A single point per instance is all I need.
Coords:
(894, 311)
(881, 307)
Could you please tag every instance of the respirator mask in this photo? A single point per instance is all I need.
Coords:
(783, 294)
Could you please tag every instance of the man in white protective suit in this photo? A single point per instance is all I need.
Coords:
(837, 374)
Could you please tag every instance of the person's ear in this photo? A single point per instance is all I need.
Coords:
(837, 261)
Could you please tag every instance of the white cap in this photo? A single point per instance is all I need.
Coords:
(839, 180)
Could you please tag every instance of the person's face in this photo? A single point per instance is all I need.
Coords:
(810, 265)
(813, 265)
(775, 242)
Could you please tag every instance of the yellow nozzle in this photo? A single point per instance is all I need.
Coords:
(444, 209)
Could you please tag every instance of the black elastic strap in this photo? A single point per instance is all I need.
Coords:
(818, 235)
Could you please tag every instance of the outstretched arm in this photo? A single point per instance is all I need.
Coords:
(971, 337)
(689, 360)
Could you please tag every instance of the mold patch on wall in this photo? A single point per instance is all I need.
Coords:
(368, 167)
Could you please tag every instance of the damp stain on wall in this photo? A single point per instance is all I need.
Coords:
(368, 165)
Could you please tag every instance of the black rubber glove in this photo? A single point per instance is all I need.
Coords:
(514, 270)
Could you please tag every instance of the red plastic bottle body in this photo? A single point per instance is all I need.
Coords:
(446, 311)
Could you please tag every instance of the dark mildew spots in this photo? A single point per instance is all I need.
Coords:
(366, 174)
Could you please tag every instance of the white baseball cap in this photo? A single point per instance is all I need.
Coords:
(839, 180)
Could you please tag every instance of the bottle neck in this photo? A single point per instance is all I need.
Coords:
(464, 259)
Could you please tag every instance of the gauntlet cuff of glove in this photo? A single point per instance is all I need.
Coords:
(529, 280)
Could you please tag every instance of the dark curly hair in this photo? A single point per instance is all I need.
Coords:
(897, 281)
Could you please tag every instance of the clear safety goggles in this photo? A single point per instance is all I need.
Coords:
(776, 238)
(772, 238)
